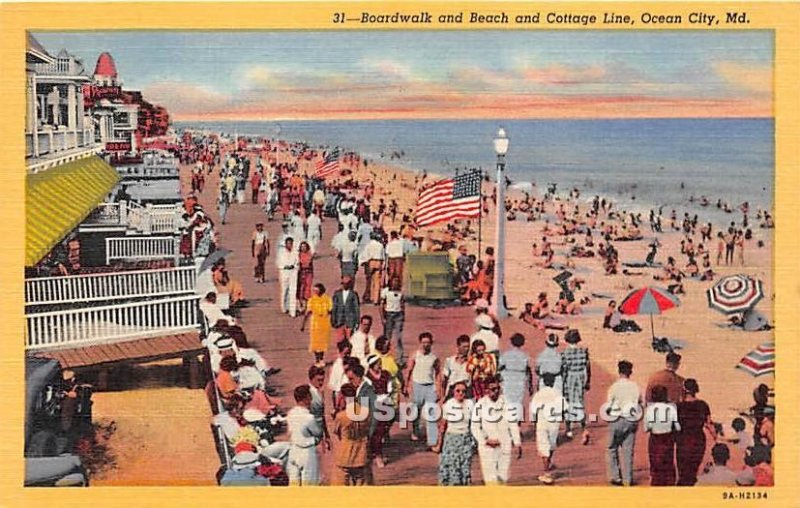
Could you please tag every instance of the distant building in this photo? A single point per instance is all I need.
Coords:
(123, 117)
(57, 128)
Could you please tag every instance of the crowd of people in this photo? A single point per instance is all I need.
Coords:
(346, 399)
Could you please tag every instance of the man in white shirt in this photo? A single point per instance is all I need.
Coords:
(455, 367)
(624, 411)
(304, 435)
(337, 376)
(423, 372)
(374, 255)
(287, 261)
(339, 237)
(396, 251)
(362, 341)
(547, 408)
(393, 311)
(296, 226)
(348, 254)
(363, 236)
(496, 430)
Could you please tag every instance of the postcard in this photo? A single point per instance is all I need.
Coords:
(539, 251)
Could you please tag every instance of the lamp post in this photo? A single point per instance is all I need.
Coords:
(498, 296)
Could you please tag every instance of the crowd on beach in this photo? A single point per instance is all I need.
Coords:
(344, 405)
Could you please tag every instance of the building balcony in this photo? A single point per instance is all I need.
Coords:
(59, 68)
(51, 145)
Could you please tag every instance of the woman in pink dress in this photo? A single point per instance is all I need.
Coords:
(305, 275)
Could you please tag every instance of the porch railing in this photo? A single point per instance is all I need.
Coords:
(146, 219)
(142, 248)
(112, 323)
(110, 286)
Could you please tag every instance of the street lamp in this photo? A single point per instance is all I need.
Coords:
(498, 296)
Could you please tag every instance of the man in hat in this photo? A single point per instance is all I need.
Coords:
(549, 362)
(304, 435)
(259, 249)
(482, 307)
(669, 378)
(346, 312)
(287, 262)
(496, 430)
(485, 325)
(220, 347)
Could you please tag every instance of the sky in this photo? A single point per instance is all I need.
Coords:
(280, 75)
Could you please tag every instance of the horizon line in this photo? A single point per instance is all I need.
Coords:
(444, 118)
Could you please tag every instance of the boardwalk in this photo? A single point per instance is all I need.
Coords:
(278, 337)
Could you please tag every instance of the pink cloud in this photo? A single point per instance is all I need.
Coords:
(185, 98)
(564, 75)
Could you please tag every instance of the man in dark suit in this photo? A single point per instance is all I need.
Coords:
(346, 309)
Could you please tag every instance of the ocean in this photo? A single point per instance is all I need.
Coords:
(639, 163)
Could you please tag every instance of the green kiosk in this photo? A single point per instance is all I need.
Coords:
(429, 277)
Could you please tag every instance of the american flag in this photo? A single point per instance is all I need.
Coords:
(328, 165)
(454, 198)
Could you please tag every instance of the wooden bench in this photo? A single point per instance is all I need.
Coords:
(102, 357)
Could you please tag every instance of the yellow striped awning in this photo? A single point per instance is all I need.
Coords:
(57, 200)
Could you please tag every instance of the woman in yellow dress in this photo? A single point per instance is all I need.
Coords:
(319, 308)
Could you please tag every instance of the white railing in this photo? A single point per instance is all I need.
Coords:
(163, 220)
(142, 248)
(146, 219)
(110, 286)
(113, 323)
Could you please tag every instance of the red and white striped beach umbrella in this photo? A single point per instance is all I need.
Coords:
(759, 361)
(648, 300)
(735, 293)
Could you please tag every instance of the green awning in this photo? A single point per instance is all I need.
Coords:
(58, 199)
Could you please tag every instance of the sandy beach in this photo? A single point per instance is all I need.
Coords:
(159, 425)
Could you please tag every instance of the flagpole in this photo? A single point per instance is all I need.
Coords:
(480, 212)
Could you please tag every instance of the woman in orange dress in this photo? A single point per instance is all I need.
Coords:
(319, 310)
(305, 275)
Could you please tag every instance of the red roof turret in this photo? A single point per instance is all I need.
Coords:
(105, 66)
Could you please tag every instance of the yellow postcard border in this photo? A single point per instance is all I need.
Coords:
(781, 17)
